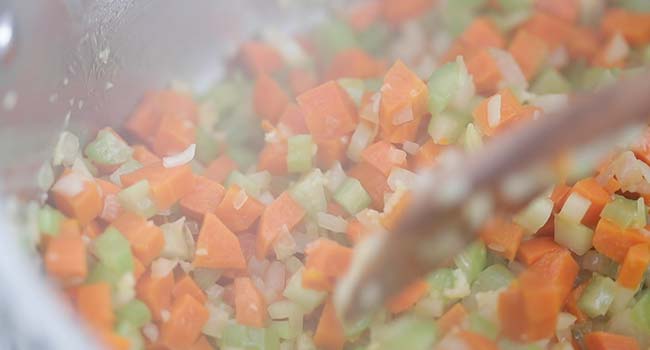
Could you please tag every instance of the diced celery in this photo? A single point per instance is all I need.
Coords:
(310, 193)
(307, 299)
(282, 329)
(352, 196)
(373, 84)
(472, 139)
(373, 39)
(134, 312)
(132, 334)
(550, 81)
(243, 156)
(442, 85)
(492, 278)
(534, 215)
(625, 212)
(114, 251)
(219, 319)
(137, 199)
(334, 36)
(49, 220)
(175, 243)
(354, 87)
(515, 5)
(432, 305)
(108, 149)
(101, 273)
(407, 332)
(472, 260)
(441, 279)
(205, 277)
(127, 167)
(458, 14)
(575, 236)
(641, 312)
(300, 153)
(241, 180)
(575, 207)
(636, 5)
(293, 314)
(249, 338)
(646, 54)
(596, 77)
(622, 298)
(597, 297)
(445, 128)
(305, 342)
(207, 148)
(460, 288)
(480, 325)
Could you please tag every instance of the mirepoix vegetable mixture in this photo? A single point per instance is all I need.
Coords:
(223, 220)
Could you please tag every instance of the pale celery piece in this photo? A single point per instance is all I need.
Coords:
(300, 151)
(249, 338)
(114, 251)
(458, 14)
(472, 260)
(622, 298)
(408, 332)
(135, 312)
(551, 81)
(291, 315)
(478, 324)
(175, 242)
(625, 212)
(492, 278)
(441, 279)
(137, 199)
(352, 196)
(205, 277)
(597, 297)
(307, 299)
(641, 312)
(101, 273)
(127, 167)
(445, 128)
(596, 77)
(241, 180)
(472, 139)
(515, 5)
(334, 36)
(49, 220)
(207, 148)
(283, 330)
(374, 38)
(243, 156)
(575, 236)
(108, 149)
(442, 84)
(310, 193)
(534, 215)
(636, 5)
(132, 334)
(354, 87)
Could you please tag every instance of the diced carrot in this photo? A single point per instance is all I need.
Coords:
(353, 63)
(602, 57)
(614, 242)
(634, 26)
(330, 152)
(138, 269)
(426, 156)
(201, 344)
(583, 42)
(294, 119)
(283, 211)
(534, 249)
(156, 292)
(65, 258)
(329, 111)
(641, 147)
(591, 190)
(553, 30)
(83, 203)
(217, 247)
(186, 285)
(95, 305)
(185, 322)
(220, 168)
(316, 280)
(509, 109)
(408, 297)
(329, 332)
(610, 341)
(301, 80)
(542, 303)
(567, 10)
(482, 33)
(572, 302)
(247, 241)
(557, 268)
(147, 240)
(391, 216)
(113, 341)
(143, 155)
(452, 318)
(360, 16)
(634, 266)
(328, 257)
(403, 104)
(269, 99)
(173, 136)
(167, 185)
(355, 231)
(273, 158)
(236, 215)
(260, 58)
(250, 307)
(204, 198)
(469, 340)
(487, 75)
(502, 236)
(559, 195)
(612, 186)
(69, 227)
(373, 181)
(384, 156)
(398, 11)
(529, 51)
(510, 310)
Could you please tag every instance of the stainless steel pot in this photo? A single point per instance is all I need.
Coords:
(81, 64)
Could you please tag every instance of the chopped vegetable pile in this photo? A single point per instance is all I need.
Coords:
(223, 220)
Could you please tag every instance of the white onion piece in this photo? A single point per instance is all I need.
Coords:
(563, 326)
(411, 148)
(187, 267)
(150, 331)
(370, 219)
(240, 199)
(261, 178)
(617, 50)
(274, 281)
(111, 206)
(334, 177)
(403, 116)
(285, 245)
(510, 70)
(266, 198)
(331, 222)
(494, 111)
(66, 149)
(70, 184)
(161, 267)
(396, 156)
(550, 102)
(181, 158)
(575, 207)
(400, 177)
(559, 57)
(363, 136)
(287, 46)
(215, 292)
(303, 240)
(257, 267)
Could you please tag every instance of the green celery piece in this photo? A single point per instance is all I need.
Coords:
(354, 87)
(307, 299)
(374, 38)
(458, 14)
(472, 139)
(407, 332)
(137, 199)
(533, 217)
(596, 77)
(243, 156)
(478, 324)
(49, 220)
(441, 279)
(134, 312)
(472, 260)
(625, 212)
(207, 148)
(622, 298)
(551, 81)
(447, 127)
(282, 329)
(108, 149)
(132, 334)
(101, 273)
(597, 297)
(352, 196)
(309, 192)
(515, 5)
(244, 182)
(641, 311)
(492, 278)
(300, 151)
(373, 84)
(249, 338)
(575, 236)
(636, 5)
(114, 251)
(333, 37)
(442, 85)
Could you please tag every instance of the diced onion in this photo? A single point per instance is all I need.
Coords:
(257, 267)
(617, 50)
(150, 331)
(403, 116)
(181, 158)
(550, 102)
(240, 199)
(288, 47)
(125, 289)
(70, 184)
(396, 156)
(66, 149)
(369, 218)
(535, 214)
(331, 222)
(201, 252)
(274, 280)
(165, 315)
(266, 198)
(510, 70)
(466, 88)
(363, 136)
(559, 57)
(161, 267)
(575, 207)
(460, 288)
(261, 178)
(215, 292)
(334, 177)
(111, 208)
(411, 148)
(45, 177)
(494, 111)
(187, 267)
(400, 177)
(563, 326)
(285, 245)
